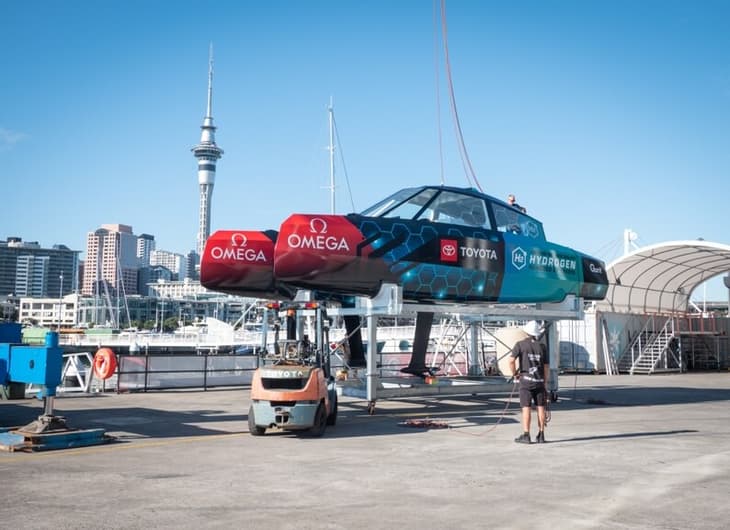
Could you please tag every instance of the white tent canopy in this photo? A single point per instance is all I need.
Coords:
(660, 278)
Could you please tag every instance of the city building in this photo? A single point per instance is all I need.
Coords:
(27, 269)
(148, 276)
(8, 308)
(49, 312)
(111, 262)
(180, 290)
(192, 261)
(145, 248)
(174, 262)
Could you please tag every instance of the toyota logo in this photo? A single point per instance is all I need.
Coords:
(449, 250)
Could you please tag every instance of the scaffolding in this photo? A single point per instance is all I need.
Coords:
(372, 385)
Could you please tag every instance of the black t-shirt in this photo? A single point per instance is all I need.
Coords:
(532, 357)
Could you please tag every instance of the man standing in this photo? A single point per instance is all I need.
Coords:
(533, 375)
(513, 203)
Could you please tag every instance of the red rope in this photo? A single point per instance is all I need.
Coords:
(466, 162)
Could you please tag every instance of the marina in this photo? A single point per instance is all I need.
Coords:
(219, 355)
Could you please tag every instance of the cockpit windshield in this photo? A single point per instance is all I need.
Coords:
(409, 209)
(380, 208)
(458, 209)
(432, 204)
(449, 206)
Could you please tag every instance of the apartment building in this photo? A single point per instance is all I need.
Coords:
(112, 261)
(28, 269)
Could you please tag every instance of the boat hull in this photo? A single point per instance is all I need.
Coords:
(241, 262)
(432, 262)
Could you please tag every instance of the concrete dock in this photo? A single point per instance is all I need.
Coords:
(649, 452)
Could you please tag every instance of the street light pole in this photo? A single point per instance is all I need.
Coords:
(162, 317)
(60, 302)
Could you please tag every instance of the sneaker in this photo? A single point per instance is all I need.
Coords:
(523, 438)
(540, 437)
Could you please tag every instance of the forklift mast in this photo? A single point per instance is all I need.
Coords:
(299, 320)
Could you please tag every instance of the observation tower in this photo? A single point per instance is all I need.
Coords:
(207, 153)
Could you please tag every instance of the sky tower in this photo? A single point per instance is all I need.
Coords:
(207, 154)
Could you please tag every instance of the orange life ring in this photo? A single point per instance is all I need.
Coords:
(105, 363)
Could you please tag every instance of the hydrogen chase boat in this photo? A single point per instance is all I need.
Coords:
(439, 243)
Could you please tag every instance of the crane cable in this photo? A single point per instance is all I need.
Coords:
(438, 90)
(466, 162)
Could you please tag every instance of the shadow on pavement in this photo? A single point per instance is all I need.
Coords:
(628, 396)
(133, 422)
(622, 435)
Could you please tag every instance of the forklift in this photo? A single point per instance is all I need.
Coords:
(293, 388)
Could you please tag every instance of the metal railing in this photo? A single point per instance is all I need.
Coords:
(155, 372)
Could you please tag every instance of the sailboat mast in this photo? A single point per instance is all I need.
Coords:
(332, 159)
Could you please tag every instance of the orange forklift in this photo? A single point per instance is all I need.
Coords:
(293, 389)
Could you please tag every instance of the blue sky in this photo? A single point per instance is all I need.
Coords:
(599, 116)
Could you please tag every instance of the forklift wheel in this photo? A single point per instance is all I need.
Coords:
(252, 427)
(320, 421)
(332, 418)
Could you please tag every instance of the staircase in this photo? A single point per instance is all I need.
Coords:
(651, 351)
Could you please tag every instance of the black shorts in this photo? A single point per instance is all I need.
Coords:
(533, 394)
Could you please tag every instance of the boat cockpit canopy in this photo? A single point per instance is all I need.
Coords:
(457, 206)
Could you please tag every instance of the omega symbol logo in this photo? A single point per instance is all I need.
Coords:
(239, 240)
(519, 258)
(318, 222)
